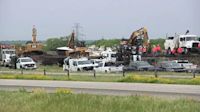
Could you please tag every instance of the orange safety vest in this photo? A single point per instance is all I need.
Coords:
(180, 50)
(173, 51)
(144, 50)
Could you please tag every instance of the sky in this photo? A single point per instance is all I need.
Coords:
(98, 18)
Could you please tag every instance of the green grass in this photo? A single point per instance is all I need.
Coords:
(144, 79)
(44, 102)
(62, 77)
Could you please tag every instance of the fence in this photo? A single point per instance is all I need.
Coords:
(95, 74)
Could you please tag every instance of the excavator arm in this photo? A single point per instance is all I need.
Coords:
(140, 34)
(71, 42)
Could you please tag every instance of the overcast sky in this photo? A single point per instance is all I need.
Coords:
(98, 18)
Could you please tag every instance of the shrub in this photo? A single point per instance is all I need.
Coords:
(63, 91)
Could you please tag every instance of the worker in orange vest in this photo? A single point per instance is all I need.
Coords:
(144, 50)
(154, 50)
(158, 48)
(173, 51)
(180, 50)
(199, 45)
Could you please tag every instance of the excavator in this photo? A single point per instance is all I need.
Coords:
(78, 47)
(131, 49)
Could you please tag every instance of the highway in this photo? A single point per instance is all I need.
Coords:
(106, 88)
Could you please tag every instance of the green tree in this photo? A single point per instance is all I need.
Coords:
(52, 43)
(107, 42)
(159, 41)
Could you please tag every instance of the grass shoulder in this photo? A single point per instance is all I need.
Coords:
(40, 101)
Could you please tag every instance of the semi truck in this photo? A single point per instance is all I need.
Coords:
(6, 52)
(186, 42)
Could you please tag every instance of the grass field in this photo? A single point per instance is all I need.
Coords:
(62, 77)
(59, 102)
(144, 79)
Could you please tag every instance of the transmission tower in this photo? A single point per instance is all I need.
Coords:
(77, 30)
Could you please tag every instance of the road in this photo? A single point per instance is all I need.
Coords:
(106, 88)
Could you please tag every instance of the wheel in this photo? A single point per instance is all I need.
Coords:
(106, 71)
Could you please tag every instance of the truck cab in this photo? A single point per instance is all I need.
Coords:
(187, 42)
(6, 55)
(109, 56)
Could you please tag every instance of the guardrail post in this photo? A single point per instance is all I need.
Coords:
(156, 73)
(22, 71)
(68, 74)
(44, 71)
(123, 72)
(94, 72)
(194, 74)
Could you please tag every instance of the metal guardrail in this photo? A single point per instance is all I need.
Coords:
(93, 73)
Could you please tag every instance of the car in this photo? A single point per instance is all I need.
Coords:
(186, 64)
(108, 67)
(139, 65)
(171, 66)
(25, 63)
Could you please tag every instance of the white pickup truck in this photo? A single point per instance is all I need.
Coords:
(78, 64)
(25, 63)
(108, 67)
(186, 64)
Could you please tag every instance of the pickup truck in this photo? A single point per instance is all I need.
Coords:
(82, 64)
(108, 67)
(25, 63)
(186, 64)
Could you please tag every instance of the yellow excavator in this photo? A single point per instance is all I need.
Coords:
(140, 36)
(131, 47)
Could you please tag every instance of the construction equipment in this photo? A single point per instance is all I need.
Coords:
(77, 47)
(187, 42)
(132, 48)
(139, 38)
(32, 47)
(6, 52)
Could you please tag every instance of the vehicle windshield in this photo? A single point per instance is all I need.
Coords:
(84, 62)
(192, 38)
(113, 55)
(143, 64)
(9, 52)
(26, 60)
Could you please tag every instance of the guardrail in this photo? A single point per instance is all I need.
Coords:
(93, 73)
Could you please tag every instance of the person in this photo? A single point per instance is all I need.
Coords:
(144, 50)
(173, 51)
(180, 50)
(199, 45)
(154, 50)
(158, 48)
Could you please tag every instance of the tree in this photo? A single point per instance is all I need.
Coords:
(107, 42)
(52, 43)
(159, 41)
